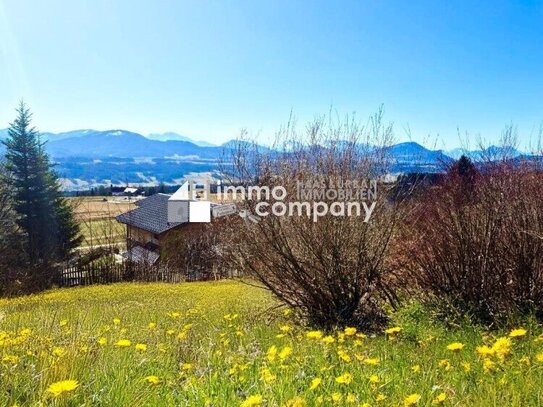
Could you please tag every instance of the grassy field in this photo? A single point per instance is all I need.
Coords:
(101, 232)
(96, 219)
(223, 344)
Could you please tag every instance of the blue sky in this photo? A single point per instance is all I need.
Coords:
(206, 69)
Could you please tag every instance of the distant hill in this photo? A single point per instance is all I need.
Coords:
(232, 144)
(124, 144)
(412, 157)
(170, 136)
(68, 134)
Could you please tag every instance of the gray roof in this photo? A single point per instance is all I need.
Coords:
(150, 215)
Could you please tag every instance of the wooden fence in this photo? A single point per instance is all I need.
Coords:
(116, 272)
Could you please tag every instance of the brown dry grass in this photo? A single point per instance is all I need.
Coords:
(94, 208)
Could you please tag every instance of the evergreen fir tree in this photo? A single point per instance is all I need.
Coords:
(465, 170)
(13, 261)
(43, 213)
(463, 175)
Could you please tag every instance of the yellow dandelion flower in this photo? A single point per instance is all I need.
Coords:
(252, 401)
(371, 361)
(170, 332)
(350, 331)
(152, 379)
(345, 378)
(393, 331)
(314, 335)
(344, 356)
(11, 359)
(488, 365)
(336, 397)
(445, 364)
(295, 402)
(518, 333)
(315, 383)
(466, 366)
(186, 366)
(285, 328)
(502, 347)
(123, 343)
(272, 353)
(484, 351)
(151, 326)
(539, 357)
(63, 322)
(374, 379)
(328, 339)
(411, 400)
(267, 376)
(102, 341)
(141, 347)
(285, 353)
(440, 398)
(116, 321)
(380, 397)
(415, 368)
(64, 386)
(351, 398)
(455, 346)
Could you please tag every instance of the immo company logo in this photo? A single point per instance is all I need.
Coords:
(313, 199)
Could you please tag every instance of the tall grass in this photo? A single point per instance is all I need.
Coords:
(220, 344)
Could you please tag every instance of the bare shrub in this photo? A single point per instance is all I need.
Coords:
(194, 252)
(333, 271)
(474, 242)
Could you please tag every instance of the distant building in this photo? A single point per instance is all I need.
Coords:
(126, 191)
(148, 229)
(131, 191)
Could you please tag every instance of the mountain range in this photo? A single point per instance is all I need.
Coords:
(489, 152)
(89, 157)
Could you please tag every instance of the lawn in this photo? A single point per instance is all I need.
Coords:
(225, 344)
